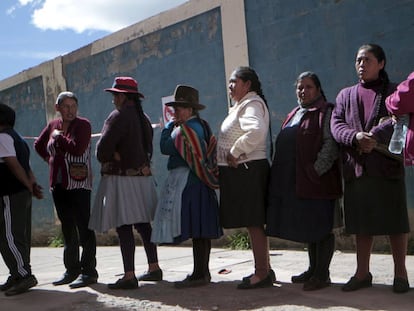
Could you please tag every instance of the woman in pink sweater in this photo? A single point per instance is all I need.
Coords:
(402, 102)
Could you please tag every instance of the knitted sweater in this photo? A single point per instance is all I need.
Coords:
(63, 151)
(123, 133)
(346, 121)
(243, 132)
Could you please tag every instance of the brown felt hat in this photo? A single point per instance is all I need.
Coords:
(186, 96)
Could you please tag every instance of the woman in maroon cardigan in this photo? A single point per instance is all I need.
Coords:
(374, 192)
(126, 197)
(305, 181)
(65, 144)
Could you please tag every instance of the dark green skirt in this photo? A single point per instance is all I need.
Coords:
(376, 206)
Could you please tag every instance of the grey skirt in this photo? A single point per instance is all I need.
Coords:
(375, 206)
(123, 200)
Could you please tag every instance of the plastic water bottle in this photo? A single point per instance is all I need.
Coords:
(397, 142)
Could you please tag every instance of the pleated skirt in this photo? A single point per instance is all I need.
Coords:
(123, 200)
(376, 206)
(243, 194)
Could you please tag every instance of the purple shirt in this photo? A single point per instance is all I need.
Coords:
(402, 102)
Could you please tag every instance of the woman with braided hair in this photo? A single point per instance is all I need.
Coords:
(374, 184)
(244, 169)
(126, 197)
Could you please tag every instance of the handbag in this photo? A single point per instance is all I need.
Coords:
(78, 171)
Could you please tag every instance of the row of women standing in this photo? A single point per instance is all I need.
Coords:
(295, 199)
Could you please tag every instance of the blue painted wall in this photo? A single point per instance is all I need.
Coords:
(284, 39)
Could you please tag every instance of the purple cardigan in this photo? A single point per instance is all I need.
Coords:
(402, 102)
(346, 123)
(123, 133)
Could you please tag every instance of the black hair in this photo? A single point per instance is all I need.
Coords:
(146, 126)
(249, 74)
(379, 54)
(7, 115)
(311, 75)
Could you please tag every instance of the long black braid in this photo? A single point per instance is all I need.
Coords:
(147, 131)
(249, 74)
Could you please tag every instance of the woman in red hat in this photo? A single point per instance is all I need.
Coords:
(126, 196)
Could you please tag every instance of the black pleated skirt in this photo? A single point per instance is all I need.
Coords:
(376, 206)
(243, 194)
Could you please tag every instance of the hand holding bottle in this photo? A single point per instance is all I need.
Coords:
(397, 142)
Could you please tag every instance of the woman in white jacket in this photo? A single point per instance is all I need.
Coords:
(244, 169)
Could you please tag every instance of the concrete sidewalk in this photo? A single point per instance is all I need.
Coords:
(221, 294)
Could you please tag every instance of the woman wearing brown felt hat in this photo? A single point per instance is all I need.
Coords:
(188, 206)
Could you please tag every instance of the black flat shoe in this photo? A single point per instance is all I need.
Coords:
(8, 284)
(314, 284)
(151, 276)
(302, 278)
(266, 282)
(271, 272)
(66, 279)
(21, 286)
(400, 286)
(355, 284)
(189, 281)
(124, 284)
(83, 281)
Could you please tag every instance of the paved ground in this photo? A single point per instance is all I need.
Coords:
(221, 294)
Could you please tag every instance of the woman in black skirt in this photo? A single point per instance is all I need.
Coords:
(374, 192)
(244, 169)
(306, 181)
